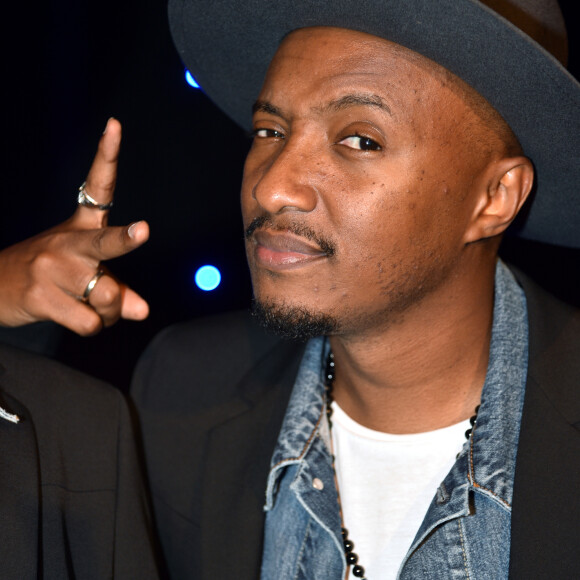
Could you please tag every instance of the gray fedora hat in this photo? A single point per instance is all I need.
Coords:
(228, 44)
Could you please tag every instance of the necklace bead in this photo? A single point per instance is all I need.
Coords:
(351, 557)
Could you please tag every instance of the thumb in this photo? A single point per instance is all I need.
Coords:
(112, 242)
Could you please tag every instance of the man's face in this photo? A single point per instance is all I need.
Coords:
(356, 188)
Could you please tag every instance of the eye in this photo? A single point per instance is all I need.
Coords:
(360, 142)
(267, 134)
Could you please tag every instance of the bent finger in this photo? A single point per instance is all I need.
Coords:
(105, 298)
(112, 299)
(69, 312)
(133, 307)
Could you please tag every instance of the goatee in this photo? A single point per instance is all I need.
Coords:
(292, 322)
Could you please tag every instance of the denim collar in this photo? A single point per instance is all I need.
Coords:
(496, 433)
(488, 458)
(304, 415)
(487, 462)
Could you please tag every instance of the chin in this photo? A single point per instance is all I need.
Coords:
(293, 322)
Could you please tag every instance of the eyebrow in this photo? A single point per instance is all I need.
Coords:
(266, 107)
(344, 102)
(357, 100)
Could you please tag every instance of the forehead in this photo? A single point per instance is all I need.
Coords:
(341, 45)
(313, 61)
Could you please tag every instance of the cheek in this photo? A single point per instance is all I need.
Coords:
(371, 219)
(392, 229)
(372, 239)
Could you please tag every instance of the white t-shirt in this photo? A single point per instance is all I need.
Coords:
(386, 483)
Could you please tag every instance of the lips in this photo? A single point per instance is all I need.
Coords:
(284, 250)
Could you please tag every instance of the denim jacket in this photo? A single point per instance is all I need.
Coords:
(466, 531)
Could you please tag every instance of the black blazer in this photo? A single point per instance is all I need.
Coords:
(72, 500)
(211, 396)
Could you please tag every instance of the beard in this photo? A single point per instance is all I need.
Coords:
(292, 322)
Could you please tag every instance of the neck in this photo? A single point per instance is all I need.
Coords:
(426, 371)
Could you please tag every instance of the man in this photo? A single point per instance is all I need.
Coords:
(393, 145)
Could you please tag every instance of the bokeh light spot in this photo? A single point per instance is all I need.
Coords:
(208, 278)
(190, 80)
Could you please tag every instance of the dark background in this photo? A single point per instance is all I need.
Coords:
(68, 67)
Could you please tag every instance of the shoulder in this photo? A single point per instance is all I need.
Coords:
(231, 334)
(544, 308)
(44, 385)
(554, 325)
(81, 425)
(202, 361)
(554, 344)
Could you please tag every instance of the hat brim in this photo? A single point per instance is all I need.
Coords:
(228, 44)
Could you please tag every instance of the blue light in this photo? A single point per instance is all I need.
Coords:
(208, 278)
(190, 80)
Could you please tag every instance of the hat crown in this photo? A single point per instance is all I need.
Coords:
(541, 20)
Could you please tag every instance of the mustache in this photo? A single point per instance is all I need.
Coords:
(264, 222)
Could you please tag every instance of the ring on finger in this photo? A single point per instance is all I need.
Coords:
(90, 286)
(86, 200)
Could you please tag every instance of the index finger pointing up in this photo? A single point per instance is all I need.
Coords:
(100, 183)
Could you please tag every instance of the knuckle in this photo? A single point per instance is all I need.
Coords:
(89, 325)
(106, 297)
(109, 295)
(49, 252)
(34, 295)
(42, 262)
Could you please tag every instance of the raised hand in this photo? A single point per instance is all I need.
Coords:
(57, 275)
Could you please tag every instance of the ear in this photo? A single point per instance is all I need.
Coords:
(506, 185)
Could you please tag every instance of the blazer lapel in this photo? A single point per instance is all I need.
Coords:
(238, 461)
(546, 511)
(19, 494)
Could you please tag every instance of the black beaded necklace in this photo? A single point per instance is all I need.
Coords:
(351, 557)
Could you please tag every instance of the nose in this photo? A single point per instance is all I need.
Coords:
(283, 178)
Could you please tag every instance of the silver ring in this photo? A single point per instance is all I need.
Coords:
(86, 200)
(90, 286)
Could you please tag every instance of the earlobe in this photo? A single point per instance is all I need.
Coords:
(509, 182)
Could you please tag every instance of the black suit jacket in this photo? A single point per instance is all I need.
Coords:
(211, 396)
(72, 500)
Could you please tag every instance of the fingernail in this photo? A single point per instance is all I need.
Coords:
(107, 125)
(131, 229)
